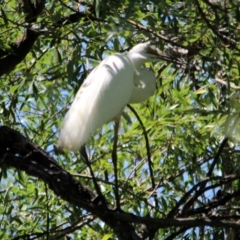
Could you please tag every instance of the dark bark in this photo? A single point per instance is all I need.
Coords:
(19, 49)
(18, 52)
(18, 152)
(9, 59)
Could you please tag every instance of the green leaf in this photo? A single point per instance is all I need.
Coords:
(107, 236)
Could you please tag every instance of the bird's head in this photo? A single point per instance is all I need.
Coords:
(143, 52)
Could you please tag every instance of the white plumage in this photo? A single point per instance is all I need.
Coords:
(145, 87)
(115, 82)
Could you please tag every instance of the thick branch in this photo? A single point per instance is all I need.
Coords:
(18, 152)
(19, 52)
(22, 47)
(10, 59)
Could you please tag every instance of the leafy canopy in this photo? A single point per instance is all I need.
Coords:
(189, 128)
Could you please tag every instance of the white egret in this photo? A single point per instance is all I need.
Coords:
(145, 88)
(118, 80)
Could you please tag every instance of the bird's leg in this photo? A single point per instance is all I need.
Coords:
(114, 160)
(99, 200)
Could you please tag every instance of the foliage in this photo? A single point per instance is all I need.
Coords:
(191, 122)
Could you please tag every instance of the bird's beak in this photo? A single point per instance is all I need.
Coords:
(154, 51)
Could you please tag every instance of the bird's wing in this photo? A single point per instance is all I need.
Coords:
(100, 99)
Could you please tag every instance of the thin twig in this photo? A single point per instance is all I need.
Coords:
(222, 145)
(175, 234)
(215, 161)
(114, 160)
(48, 219)
(223, 38)
(86, 160)
(232, 85)
(141, 27)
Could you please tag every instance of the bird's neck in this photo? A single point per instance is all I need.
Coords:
(137, 60)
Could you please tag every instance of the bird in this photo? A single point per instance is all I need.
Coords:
(145, 88)
(118, 80)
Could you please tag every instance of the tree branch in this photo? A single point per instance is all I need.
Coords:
(21, 48)
(10, 59)
(18, 152)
